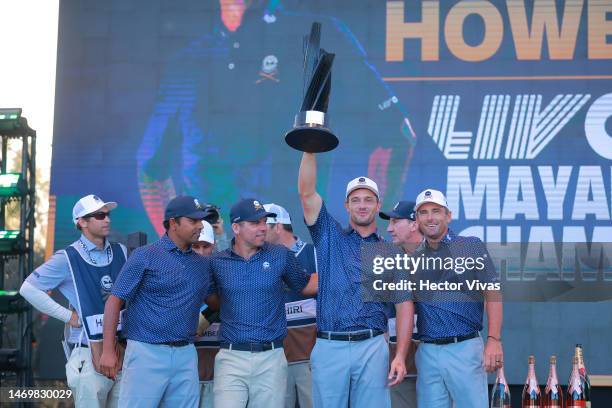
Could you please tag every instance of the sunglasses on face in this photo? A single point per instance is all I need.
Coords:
(98, 215)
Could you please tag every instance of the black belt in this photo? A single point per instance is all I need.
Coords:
(350, 336)
(253, 347)
(178, 343)
(449, 340)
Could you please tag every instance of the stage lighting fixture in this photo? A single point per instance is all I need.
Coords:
(11, 242)
(12, 185)
(12, 302)
(9, 118)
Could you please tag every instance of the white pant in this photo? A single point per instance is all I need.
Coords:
(257, 378)
(90, 388)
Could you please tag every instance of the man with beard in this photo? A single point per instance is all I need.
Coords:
(350, 359)
(163, 285)
(451, 358)
(250, 278)
(84, 273)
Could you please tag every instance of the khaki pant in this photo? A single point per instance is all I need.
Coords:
(257, 378)
(90, 388)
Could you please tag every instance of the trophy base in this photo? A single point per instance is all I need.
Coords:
(310, 133)
(311, 139)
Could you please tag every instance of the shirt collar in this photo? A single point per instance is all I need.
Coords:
(349, 230)
(170, 246)
(231, 253)
(90, 246)
(297, 246)
(448, 238)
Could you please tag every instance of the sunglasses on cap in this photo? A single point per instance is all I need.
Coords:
(98, 215)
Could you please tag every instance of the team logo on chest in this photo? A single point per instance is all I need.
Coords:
(266, 265)
(106, 283)
(269, 70)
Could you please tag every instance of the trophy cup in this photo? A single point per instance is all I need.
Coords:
(310, 131)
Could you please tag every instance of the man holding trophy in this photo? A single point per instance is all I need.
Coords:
(351, 357)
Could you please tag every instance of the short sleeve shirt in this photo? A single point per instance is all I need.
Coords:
(339, 302)
(453, 313)
(164, 288)
(251, 292)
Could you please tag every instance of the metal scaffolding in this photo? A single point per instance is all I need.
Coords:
(14, 130)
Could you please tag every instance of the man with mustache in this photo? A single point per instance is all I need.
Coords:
(350, 359)
(163, 285)
(451, 358)
(249, 278)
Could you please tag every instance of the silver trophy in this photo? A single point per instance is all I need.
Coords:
(310, 131)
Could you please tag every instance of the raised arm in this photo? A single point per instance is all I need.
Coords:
(307, 183)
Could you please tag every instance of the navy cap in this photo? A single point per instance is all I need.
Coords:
(184, 206)
(249, 209)
(403, 209)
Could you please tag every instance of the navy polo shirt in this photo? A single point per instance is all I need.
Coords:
(163, 288)
(251, 292)
(339, 303)
(452, 313)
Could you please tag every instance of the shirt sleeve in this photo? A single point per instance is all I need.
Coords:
(51, 274)
(130, 276)
(295, 275)
(43, 302)
(212, 286)
(488, 274)
(323, 228)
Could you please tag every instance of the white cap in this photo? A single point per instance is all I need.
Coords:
(431, 196)
(207, 234)
(282, 216)
(89, 204)
(361, 182)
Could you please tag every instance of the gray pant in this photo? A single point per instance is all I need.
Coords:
(299, 385)
(403, 395)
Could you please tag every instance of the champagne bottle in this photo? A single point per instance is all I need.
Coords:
(553, 395)
(500, 397)
(531, 392)
(584, 377)
(575, 392)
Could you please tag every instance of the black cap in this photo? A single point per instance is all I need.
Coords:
(403, 209)
(248, 209)
(184, 206)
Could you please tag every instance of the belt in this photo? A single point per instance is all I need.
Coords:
(253, 347)
(449, 340)
(75, 345)
(350, 336)
(178, 343)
